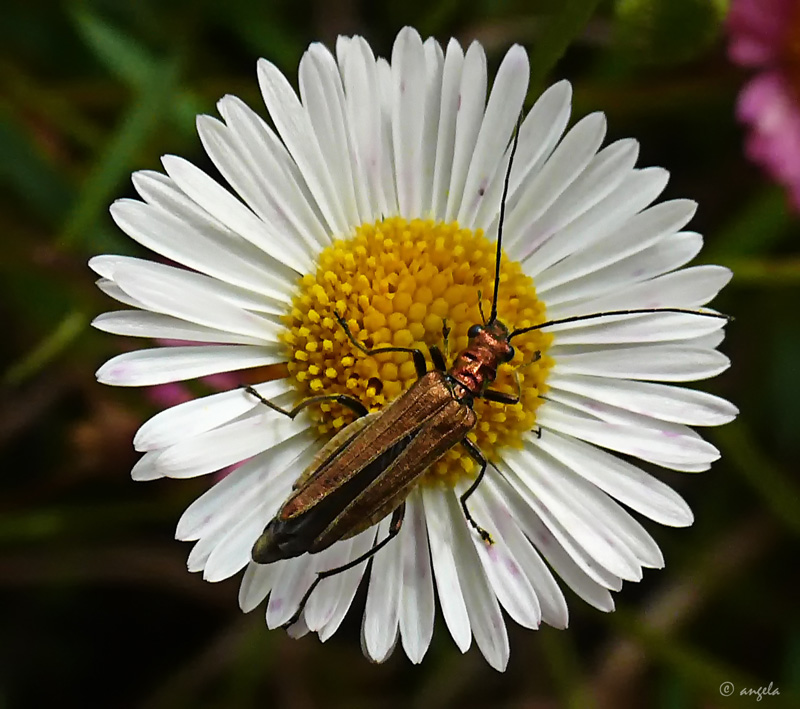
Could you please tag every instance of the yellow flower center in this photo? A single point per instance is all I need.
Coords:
(396, 282)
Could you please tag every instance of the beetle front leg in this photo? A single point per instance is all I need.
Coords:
(394, 530)
(501, 397)
(478, 457)
(344, 399)
(419, 359)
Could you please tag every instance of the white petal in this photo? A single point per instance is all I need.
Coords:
(446, 134)
(112, 290)
(506, 574)
(645, 443)
(174, 364)
(294, 126)
(416, 598)
(553, 607)
(145, 468)
(193, 417)
(364, 122)
(409, 95)
(623, 329)
(294, 578)
(533, 515)
(230, 259)
(445, 571)
(434, 67)
(350, 580)
(604, 173)
(228, 444)
(627, 483)
(566, 163)
(191, 297)
(288, 199)
(263, 477)
(256, 584)
(563, 564)
(323, 98)
(161, 192)
(232, 159)
(542, 475)
(469, 116)
(687, 288)
(232, 551)
(385, 84)
(323, 602)
(502, 113)
(596, 409)
(665, 255)
(670, 403)
(140, 323)
(667, 363)
(640, 231)
(383, 598)
(485, 617)
(607, 516)
(222, 205)
(598, 223)
(538, 136)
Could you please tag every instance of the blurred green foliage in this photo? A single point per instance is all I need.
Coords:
(96, 607)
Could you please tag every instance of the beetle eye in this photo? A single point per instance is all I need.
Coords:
(473, 331)
(509, 355)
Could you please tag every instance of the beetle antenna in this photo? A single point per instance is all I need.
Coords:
(493, 315)
(639, 311)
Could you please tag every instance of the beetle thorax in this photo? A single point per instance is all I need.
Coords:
(475, 368)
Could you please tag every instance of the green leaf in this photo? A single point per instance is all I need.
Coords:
(118, 52)
(557, 34)
(145, 115)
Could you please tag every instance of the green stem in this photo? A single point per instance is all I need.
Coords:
(741, 451)
(764, 272)
(47, 350)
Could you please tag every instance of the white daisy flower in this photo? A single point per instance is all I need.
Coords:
(376, 194)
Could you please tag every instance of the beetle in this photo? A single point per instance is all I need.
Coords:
(368, 469)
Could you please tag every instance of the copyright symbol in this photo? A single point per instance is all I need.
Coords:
(726, 689)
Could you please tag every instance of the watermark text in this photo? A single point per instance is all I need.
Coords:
(727, 689)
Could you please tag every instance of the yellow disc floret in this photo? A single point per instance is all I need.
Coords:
(397, 282)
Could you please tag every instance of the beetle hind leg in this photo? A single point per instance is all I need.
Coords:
(394, 530)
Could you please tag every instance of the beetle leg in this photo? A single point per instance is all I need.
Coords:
(438, 358)
(419, 359)
(503, 398)
(478, 457)
(345, 400)
(480, 307)
(446, 338)
(394, 530)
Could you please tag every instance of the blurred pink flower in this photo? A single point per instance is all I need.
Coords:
(765, 34)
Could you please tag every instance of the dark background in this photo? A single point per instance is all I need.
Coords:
(96, 606)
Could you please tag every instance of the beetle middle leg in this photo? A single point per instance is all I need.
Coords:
(344, 399)
(478, 457)
(500, 396)
(394, 530)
